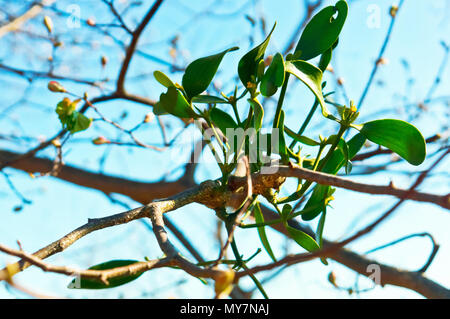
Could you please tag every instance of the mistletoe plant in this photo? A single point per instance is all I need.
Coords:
(264, 77)
(318, 39)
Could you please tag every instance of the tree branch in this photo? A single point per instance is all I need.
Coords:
(132, 47)
(144, 191)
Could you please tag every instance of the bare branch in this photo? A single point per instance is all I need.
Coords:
(132, 47)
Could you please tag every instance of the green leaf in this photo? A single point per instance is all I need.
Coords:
(81, 123)
(325, 59)
(222, 120)
(248, 64)
(158, 109)
(319, 233)
(163, 79)
(209, 99)
(173, 102)
(274, 76)
(300, 138)
(285, 211)
(70, 119)
(303, 239)
(199, 73)
(65, 108)
(398, 136)
(84, 283)
(259, 218)
(321, 32)
(258, 112)
(320, 227)
(311, 76)
(282, 149)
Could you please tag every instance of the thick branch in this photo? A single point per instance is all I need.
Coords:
(327, 179)
(144, 192)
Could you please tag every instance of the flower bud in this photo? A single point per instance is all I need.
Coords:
(352, 106)
(393, 10)
(100, 140)
(332, 279)
(382, 61)
(48, 24)
(149, 117)
(56, 142)
(56, 87)
(104, 61)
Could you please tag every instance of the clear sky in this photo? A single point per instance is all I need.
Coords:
(59, 207)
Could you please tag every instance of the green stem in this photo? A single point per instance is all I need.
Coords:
(243, 265)
(257, 283)
(306, 122)
(319, 154)
(236, 112)
(280, 101)
(307, 184)
(341, 132)
(236, 253)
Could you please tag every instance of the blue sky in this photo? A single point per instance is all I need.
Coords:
(58, 207)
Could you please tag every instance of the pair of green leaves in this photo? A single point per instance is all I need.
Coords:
(72, 120)
(85, 283)
(196, 79)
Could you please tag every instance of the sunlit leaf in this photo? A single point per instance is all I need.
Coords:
(273, 78)
(163, 79)
(311, 76)
(81, 123)
(248, 64)
(72, 120)
(173, 102)
(398, 136)
(321, 32)
(199, 73)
